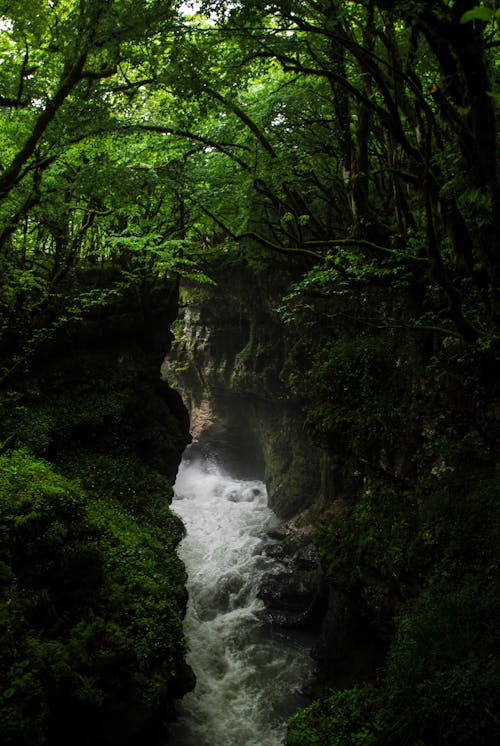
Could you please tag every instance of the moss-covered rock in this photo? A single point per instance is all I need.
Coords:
(92, 641)
(91, 622)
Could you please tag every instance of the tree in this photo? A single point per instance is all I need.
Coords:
(398, 105)
(68, 191)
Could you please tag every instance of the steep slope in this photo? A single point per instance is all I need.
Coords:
(92, 643)
(382, 447)
(229, 351)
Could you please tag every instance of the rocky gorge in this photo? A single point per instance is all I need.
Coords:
(308, 193)
(363, 456)
(380, 480)
(229, 361)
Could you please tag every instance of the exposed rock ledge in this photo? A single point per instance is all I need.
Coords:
(293, 592)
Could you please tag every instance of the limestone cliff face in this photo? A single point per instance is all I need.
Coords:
(229, 349)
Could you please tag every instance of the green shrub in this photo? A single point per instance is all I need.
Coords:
(370, 552)
(344, 718)
(437, 553)
(353, 386)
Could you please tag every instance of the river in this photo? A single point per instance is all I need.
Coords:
(249, 673)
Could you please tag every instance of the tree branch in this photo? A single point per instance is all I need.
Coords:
(69, 79)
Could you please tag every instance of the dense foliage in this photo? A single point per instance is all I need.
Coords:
(433, 558)
(93, 592)
(352, 145)
(90, 622)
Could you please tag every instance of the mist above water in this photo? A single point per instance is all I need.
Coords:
(248, 674)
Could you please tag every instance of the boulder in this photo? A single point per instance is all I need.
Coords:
(293, 591)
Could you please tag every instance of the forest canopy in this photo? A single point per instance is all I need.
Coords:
(355, 138)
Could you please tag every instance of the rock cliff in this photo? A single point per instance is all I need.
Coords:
(228, 361)
(379, 446)
(93, 440)
(229, 350)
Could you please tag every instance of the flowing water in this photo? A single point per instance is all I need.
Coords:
(248, 674)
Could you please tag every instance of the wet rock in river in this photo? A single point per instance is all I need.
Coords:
(293, 591)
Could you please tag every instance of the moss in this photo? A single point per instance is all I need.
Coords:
(431, 558)
(91, 628)
(291, 471)
(340, 719)
(372, 553)
(91, 624)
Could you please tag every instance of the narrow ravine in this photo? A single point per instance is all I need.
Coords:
(249, 674)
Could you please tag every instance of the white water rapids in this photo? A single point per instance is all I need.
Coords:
(248, 674)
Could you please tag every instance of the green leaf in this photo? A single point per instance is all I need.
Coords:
(479, 13)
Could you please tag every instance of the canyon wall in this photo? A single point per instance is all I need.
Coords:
(379, 446)
(229, 350)
(92, 441)
(230, 361)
